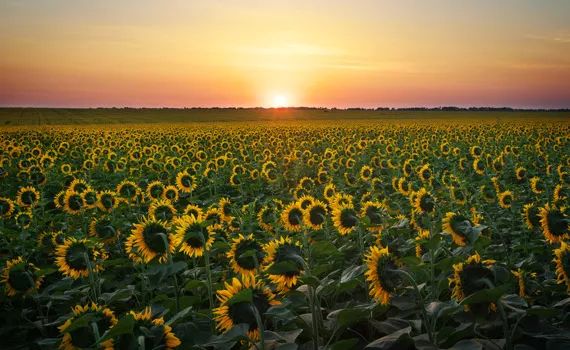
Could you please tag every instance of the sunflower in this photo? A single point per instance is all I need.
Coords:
(28, 197)
(194, 210)
(554, 223)
(24, 219)
(522, 277)
(225, 209)
(6, 207)
(241, 312)
(213, 214)
(329, 192)
(424, 202)
(560, 193)
(71, 257)
(366, 173)
(245, 265)
(488, 193)
(469, 277)
(315, 214)
(162, 209)
(266, 218)
(58, 238)
(107, 201)
(424, 172)
(456, 223)
(103, 229)
(562, 261)
(78, 185)
(82, 337)
(155, 333)
(383, 282)
(531, 216)
(305, 201)
(170, 193)
(344, 218)
(479, 166)
(19, 277)
(195, 238)
(128, 190)
(422, 238)
(89, 198)
(521, 173)
(505, 199)
(73, 202)
(154, 190)
(403, 186)
(132, 250)
(149, 239)
(292, 217)
(284, 250)
(375, 212)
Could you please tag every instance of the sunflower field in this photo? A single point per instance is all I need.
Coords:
(313, 235)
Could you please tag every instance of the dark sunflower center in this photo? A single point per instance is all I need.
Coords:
(104, 229)
(76, 256)
(247, 262)
(195, 239)
(127, 190)
(565, 259)
(242, 312)
(4, 207)
(480, 165)
(317, 215)
(330, 192)
(170, 194)
(90, 198)
(156, 191)
(387, 279)
(28, 197)
(107, 201)
(533, 216)
(186, 181)
(226, 209)
(18, 278)
(268, 216)
(305, 203)
(427, 204)
(366, 173)
(286, 253)
(507, 199)
(163, 212)
(294, 217)
(472, 278)
(348, 218)
(374, 215)
(79, 187)
(75, 202)
(153, 238)
(557, 224)
(82, 337)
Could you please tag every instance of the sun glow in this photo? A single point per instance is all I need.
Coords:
(280, 101)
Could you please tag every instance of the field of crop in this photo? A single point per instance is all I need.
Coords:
(303, 229)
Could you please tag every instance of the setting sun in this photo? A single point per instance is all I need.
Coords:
(280, 101)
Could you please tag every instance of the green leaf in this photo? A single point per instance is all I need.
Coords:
(351, 273)
(244, 296)
(543, 311)
(485, 295)
(194, 284)
(282, 268)
(124, 326)
(179, 315)
(287, 346)
(311, 281)
(346, 317)
(467, 344)
(45, 272)
(324, 249)
(236, 333)
(345, 344)
(80, 322)
(397, 340)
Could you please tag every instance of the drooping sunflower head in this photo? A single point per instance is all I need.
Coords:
(225, 209)
(531, 216)
(470, 277)
(75, 257)
(83, 336)
(162, 209)
(195, 238)
(555, 224)
(456, 224)
(506, 199)
(315, 214)
(424, 201)
(376, 213)
(28, 197)
(6, 207)
(73, 202)
(245, 255)
(155, 333)
(103, 229)
(229, 314)
(523, 277)
(292, 217)
(344, 218)
(213, 214)
(421, 239)
(383, 281)
(562, 260)
(153, 239)
(19, 277)
(279, 251)
(194, 210)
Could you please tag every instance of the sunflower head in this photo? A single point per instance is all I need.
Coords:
(537, 185)
(562, 260)
(225, 209)
(153, 239)
(74, 255)
(266, 218)
(103, 229)
(555, 223)
(315, 214)
(246, 255)
(531, 216)
(28, 197)
(155, 333)
(505, 199)
(195, 238)
(344, 218)
(424, 202)
(19, 277)
(458, 225)
(230, 313)
(107, 201)
(81, 337)
(283, 263)
(470, 277)
(292, 217)
(383, 281)
(73, 202)
(162, 209)
(376, 213)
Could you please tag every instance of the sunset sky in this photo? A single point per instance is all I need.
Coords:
(347, 53)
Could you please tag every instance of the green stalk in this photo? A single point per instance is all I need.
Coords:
(259, 325)
(91, 277)
(174, 279)
(209, 279)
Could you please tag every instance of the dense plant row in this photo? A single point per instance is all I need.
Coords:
(399, 235)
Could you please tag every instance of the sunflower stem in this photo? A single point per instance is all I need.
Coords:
(423, 308)
(91, 277)
(259, 325)
(37, 297)
(170, 263)
(209, 280)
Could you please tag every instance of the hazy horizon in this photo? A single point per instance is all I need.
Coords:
(229, 53)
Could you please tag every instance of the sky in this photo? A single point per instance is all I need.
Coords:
(323, 53)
